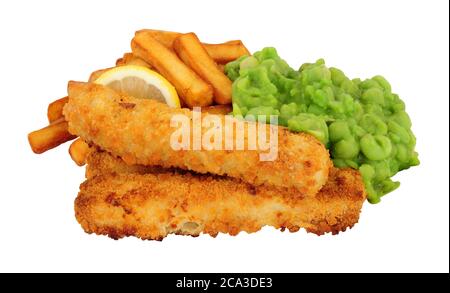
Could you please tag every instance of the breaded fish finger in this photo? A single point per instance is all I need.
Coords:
(153, 205)
(139, 131)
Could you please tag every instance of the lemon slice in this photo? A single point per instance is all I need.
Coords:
(140, 82)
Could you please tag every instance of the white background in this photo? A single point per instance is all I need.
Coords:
(46, 43)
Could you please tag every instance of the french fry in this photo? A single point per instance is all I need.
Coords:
(131, 59)
(221, 53)
(50, 136)
(192, 52)
(191, 88)
(218, 109)
(226, 52)
(164, 37)
(55, 109)
(78, 151)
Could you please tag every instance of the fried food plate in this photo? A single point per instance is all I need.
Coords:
(138, 185)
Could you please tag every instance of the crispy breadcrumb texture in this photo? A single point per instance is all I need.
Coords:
(154, 203)
(139, 131)
(100, 162)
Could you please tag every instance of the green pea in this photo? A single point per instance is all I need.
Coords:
(369, 83)
(388, 185)
(389, 100)
(329, 92)
(320, 61)
(356, 81)
(394, 166)
(351, 121)
(373, 109)
(398, 106)
(372, 196)
(382, 82)
(373, 124)
(287, 111)
(237, 111)
(339, 163)
(358, 131)
(268, 64)
(263, 111)
(352, 164)
(232, 68)
(249, 62)
(402, 154)
(349, 87)
(382, 170)
(316, 73)
(303, 108)
(337, 107)
(241, 85)
(309, 91)
(376, 147)
(339, 130)
(401, 132)
(316, 109)
(290, 109)
(349, 104)
(346, 149)
(367, 171)
(340, 95)
(402, 118)
(358, 110)
(320, 98)
(373, 95)
(337, 76)
(252, 101)
(414, 159)
(305, 66)
(311, 124)
(394, 137)
(266, 53)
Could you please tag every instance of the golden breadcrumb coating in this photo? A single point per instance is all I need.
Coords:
(139, 131)
(99, 162)
(119, 202)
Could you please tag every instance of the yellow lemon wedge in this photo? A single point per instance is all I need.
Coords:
(140, 82)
